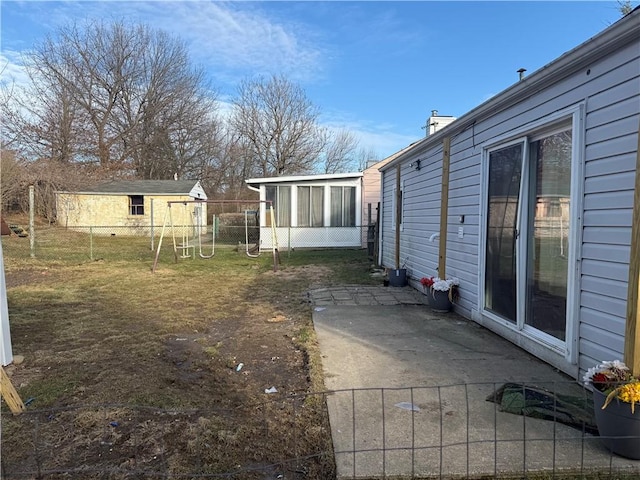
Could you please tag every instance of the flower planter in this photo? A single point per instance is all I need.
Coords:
(439, 300)
(398, 277)
(618, 427)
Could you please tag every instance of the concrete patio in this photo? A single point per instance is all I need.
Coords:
(410, 394)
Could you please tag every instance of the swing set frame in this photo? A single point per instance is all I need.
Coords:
(185, 246)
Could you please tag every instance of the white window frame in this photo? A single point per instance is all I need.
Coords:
(342, 205)
(276, 207)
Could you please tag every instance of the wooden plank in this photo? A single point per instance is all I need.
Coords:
(444, 207)
(9, 393)
(398, 215)
(632, 330)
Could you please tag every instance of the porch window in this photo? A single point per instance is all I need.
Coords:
(136, 205)
(280, 196)
(343, 206)
(310, 206)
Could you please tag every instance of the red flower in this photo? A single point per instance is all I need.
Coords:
(426, 282)
(600, 381)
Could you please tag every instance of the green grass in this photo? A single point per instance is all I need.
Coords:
(109, 331)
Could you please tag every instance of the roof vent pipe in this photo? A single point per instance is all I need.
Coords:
(521, 72)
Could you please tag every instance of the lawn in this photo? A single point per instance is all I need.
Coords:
(129, 374)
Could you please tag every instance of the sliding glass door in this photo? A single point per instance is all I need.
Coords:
(505, 172)
(527, 231)
(548, 231)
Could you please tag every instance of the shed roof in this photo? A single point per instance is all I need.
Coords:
(146, 187)
(302, 178)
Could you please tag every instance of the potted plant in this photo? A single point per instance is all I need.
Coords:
(441, 294)
(615, 394)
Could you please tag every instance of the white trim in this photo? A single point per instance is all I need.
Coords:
(304, 178)
(578, 125)
(522, 217)
(6, 352)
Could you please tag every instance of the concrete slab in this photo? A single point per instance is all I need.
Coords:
(409, 396)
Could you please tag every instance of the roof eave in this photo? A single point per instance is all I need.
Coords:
(302, 178)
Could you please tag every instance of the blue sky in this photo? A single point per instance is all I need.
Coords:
(375, 68)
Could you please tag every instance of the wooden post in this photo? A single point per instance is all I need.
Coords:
(444, 207)
(32, 230)
(398, 215)
(9, 393)
(632, 329)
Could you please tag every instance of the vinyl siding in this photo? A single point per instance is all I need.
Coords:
(609, 91)
(610, 158)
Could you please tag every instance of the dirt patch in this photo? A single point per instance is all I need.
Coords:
(148, 376)
(30, 276)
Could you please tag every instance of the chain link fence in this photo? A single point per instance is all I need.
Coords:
(140, 242)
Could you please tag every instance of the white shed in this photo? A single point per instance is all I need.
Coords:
(311, 211)
(538, 186)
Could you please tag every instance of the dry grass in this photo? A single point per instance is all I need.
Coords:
(161, 352)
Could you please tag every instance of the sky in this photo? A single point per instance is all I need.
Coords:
(375, 68)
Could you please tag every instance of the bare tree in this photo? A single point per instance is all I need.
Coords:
(340, 152)
(625, 7)
(366, 157)
(10, 178)
(277, 124)
(124, 97)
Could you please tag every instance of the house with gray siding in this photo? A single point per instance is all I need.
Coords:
(532, 196)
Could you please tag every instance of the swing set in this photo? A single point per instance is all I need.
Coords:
(191, 235)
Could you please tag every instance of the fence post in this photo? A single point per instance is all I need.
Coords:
(151, 208)
(91, 243)
(32, 238)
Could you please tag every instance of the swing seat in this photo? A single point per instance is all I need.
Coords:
(185, 249)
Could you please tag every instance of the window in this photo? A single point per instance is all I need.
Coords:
(136, 205)
(280, 196)
(343, 206)
(310, 206)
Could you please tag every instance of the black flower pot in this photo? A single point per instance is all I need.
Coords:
(439, 300)
(617, 426)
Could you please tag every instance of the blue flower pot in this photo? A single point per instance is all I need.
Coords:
(617, 426)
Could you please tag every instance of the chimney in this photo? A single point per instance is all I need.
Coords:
(436, 122)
